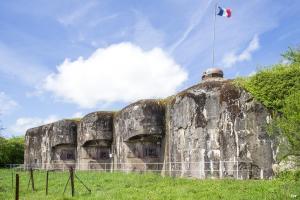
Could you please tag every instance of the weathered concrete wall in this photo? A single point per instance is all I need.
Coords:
(214, 122)
(138, 135)
(53, 145)
(62, 136)
(213, 129)
(35, 153)
(94, 140)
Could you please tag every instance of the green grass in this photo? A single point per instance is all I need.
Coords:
(147, 186)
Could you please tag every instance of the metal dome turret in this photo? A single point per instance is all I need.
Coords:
(212, 73)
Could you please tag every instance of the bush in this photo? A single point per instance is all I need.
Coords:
(273, 85)
(289, 175)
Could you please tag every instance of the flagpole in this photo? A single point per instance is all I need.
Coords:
(213, 53)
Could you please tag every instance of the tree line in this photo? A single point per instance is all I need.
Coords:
(11, 150)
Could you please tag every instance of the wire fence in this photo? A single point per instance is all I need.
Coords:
(202, 169)
(47, 182)
(57, 179)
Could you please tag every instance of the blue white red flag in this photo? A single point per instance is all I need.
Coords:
(225, 12)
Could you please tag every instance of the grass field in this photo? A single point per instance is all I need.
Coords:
(147, 186)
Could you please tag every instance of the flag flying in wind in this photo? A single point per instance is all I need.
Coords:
(225, 12)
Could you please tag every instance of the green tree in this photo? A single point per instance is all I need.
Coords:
(3, 151)
(12, 150)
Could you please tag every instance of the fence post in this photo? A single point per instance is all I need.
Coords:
(171, 169)
(32, 180)
(72, 181)
(220, 170)
(237, 169)
(12, 180)
(17, 187)
(261, 174)
(47, 176)
(211, 163)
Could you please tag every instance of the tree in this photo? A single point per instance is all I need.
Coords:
(3, 151)
(12, 150)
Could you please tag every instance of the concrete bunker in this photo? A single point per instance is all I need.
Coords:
(214, 129)
(62, 141)
(139, 132)
(33, 147)
(94, 141)
(52, 145)
(63, 155)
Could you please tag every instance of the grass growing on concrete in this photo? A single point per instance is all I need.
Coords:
(148, 186)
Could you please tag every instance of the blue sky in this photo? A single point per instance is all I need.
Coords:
(64, 59)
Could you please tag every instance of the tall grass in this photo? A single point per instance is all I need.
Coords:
(147, 186)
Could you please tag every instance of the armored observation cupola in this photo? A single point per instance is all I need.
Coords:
(212, 73)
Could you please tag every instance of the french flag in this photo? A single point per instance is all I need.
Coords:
(225, 12)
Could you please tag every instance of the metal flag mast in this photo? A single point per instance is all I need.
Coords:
(214, 35)
(225, 12)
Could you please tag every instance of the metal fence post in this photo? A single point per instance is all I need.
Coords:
(32, 180)
(220, 169)
(47, 176)
(237, 169)
(211, 167)
(12, 180)
(17, 187)
(72, 181)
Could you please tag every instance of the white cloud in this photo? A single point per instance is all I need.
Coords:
(7, 104)
(119, 73)
(232, 58)
(24, 123)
